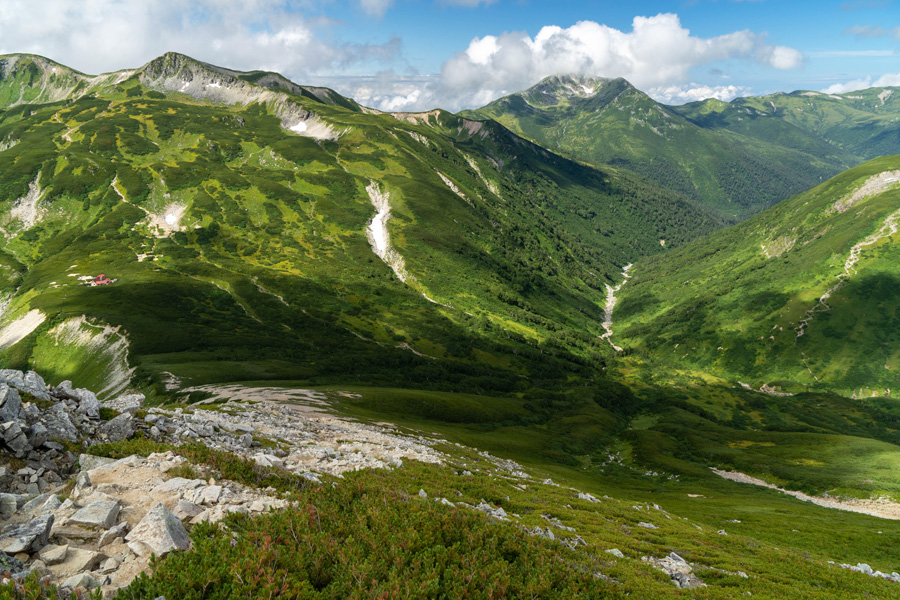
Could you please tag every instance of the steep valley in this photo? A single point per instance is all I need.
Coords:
(457, 361)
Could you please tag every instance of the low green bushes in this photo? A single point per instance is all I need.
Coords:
(367, 538)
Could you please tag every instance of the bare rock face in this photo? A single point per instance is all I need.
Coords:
(159, 532)
(30, 537)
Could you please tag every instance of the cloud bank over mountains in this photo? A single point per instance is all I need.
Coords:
(658, 55)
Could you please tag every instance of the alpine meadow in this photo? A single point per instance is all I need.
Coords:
(259, 339)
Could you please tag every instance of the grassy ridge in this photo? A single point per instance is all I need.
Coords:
(266, 270)
(733, 170)
(734, 303)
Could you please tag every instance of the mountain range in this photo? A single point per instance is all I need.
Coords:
(614, 292)
(736, 158)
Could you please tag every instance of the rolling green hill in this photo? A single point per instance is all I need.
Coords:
(802, 296)
(864, 124)
(737, 158)
(447, 274)
(260, 229)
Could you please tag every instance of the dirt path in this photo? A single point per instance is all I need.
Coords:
(878, 507)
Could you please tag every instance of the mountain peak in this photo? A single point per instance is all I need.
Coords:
(562, 89)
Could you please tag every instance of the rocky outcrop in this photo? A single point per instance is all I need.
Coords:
(37, 420)
(680, 570)
(867, 570)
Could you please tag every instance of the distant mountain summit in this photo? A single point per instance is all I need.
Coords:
(26, 78)
(736, 158)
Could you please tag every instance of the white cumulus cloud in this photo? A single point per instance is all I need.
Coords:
(886, 80)
(658, 51)
(105, 35)
(681, 94)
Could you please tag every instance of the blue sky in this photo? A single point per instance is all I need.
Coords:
(420, 54)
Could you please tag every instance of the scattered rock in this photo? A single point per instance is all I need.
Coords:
(53, 555)
(112, 534)
(118, 428)
(159, 532)
(678, 569)
(81, 580)
(866, 569)
(186, 511)
(7, 505)
(10, 404)
(615, 552)
(30, 537)
(11, 564)
(78, 560)
(89, 462)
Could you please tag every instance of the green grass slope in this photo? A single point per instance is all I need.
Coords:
(241, 249)
(864, 124)
(800, 297)
(610, 122)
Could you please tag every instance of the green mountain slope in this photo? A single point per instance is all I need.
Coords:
(734, 158)
(800, 296)
(864, 124)
(240, 223)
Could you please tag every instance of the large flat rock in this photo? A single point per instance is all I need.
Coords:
(97, 514)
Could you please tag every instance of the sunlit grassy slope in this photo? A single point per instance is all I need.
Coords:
(801, 296)
(241, 250)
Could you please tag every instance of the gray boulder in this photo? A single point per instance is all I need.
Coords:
(38, 435)
(129, 403)
(29, 382)
(101, 514)
(14, 438)
(159, 533)
(678, 569)
(35, 385)
(59, 424)
(82, 580)
(11, 564)
(88, 404)
(10, 404)
(119, 428)
(89, 461)
(53, 555)
(185, 510)
(8, 506)
(32, 505)
(30, 537)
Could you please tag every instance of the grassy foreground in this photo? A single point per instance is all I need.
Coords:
(372, 535)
